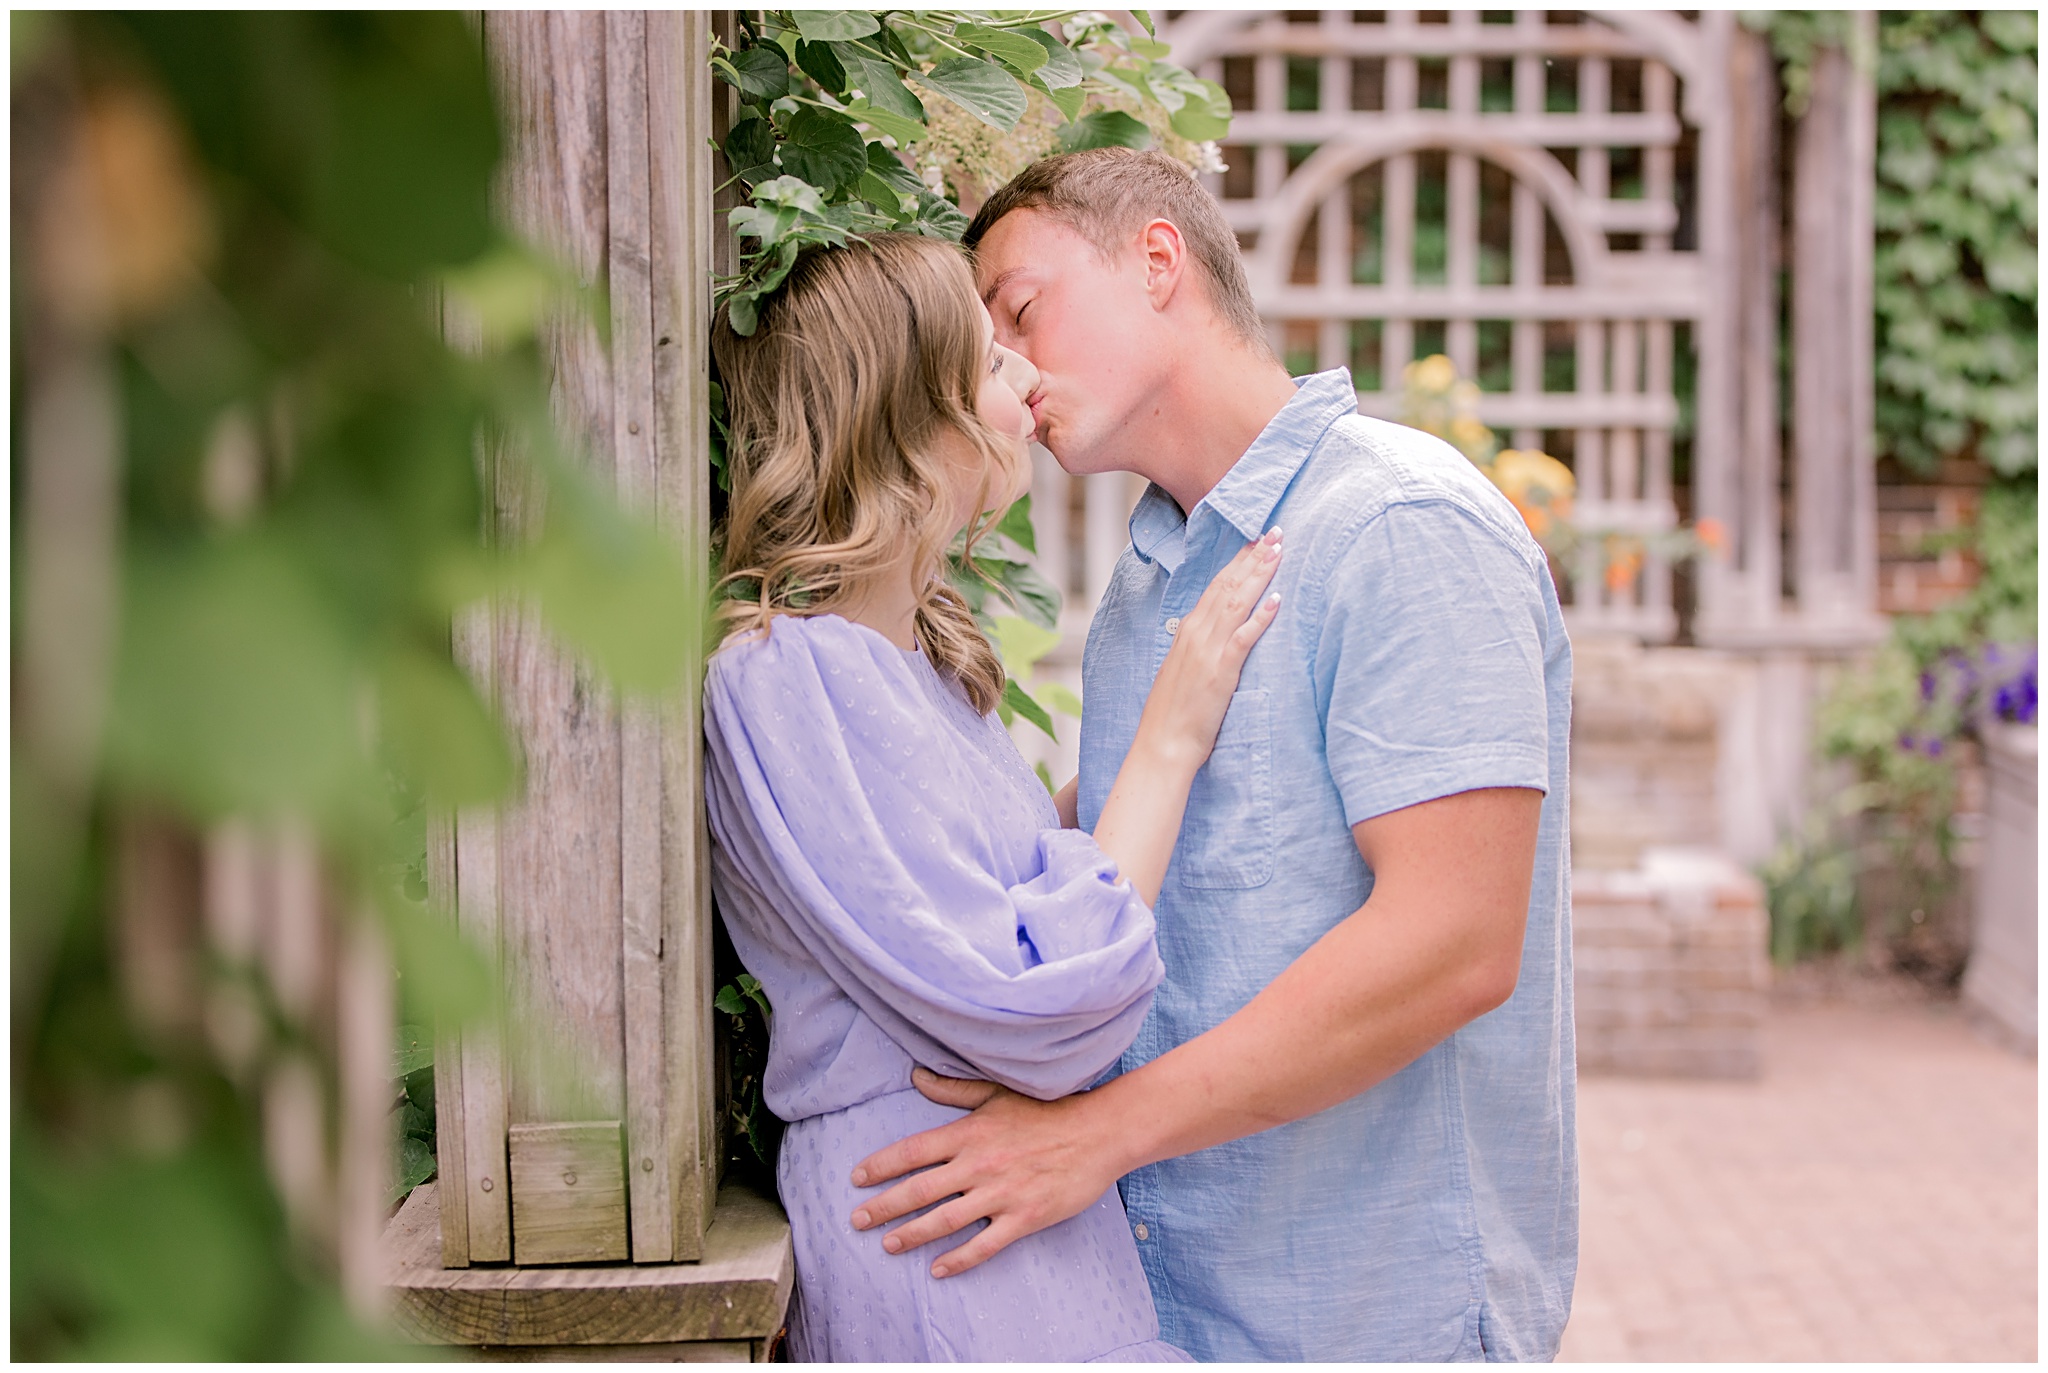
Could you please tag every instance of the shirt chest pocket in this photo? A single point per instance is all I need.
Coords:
(1226, 839)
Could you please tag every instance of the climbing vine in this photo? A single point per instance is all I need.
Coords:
(1956, 316)
(853, 121)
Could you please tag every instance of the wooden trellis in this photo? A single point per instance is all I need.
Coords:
(1582, 210)
(1503, 188)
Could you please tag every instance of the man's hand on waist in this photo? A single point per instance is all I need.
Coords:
(1019, 1164)
(1436, 945)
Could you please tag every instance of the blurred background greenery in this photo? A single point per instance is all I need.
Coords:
(251, 486)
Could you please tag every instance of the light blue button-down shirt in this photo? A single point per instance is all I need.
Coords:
(1419, 652)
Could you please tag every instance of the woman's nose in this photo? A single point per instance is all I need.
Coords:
(1018, 371)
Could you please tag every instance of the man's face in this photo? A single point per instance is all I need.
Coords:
(1087, 325)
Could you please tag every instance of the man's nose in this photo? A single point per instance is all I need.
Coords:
(1022, 376)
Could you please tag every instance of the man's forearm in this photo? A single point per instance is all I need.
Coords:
(1366, 1000)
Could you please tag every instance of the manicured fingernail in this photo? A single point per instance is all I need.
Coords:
(892, 1244)
(860, 1179)
(861, 1221)
(1273, 534)
(939, 1270)
(1273, 600)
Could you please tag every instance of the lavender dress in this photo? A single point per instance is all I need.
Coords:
(898, 880)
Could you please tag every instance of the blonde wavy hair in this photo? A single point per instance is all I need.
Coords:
(862, 361)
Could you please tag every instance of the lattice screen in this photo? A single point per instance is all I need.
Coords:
(1511, 188)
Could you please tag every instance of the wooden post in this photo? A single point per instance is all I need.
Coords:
(594, 887)
(1834, 482)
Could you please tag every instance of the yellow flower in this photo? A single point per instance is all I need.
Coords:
(1433, 373)
(1536, 478)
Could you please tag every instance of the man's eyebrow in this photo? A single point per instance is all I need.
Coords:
(995, 288)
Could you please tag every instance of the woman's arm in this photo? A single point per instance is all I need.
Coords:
(1141, 819)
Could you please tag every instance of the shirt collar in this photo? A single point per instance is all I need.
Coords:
(1252, 488)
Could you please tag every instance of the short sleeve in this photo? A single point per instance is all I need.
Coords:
(1429, 664)
(832, 780)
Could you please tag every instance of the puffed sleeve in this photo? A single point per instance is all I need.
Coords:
(830, 784)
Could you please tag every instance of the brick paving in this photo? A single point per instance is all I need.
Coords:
(1871, 1197)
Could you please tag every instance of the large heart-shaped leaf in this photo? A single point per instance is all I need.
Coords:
(982, 89)
(824, 148)
(878, 80)
(1105, 129)
(1068, 100)
(893, 174)
(1206, 115)
(824, 26)
(1062, 69)
(822, 65)
(1012, 49)
(761, 73)
(904, 131)
(750, 151)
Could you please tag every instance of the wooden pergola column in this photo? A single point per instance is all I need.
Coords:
(588, 1135)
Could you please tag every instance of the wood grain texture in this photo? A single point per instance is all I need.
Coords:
(680, 104)
(685, 1351)
(596, 890)
(450, 1163)
(632, 191)
(480, 1098)
(739, 1290)
(568, 1193)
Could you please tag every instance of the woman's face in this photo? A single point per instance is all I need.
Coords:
(1007, 379)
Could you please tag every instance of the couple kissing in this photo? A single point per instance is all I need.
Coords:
(1255, 1041)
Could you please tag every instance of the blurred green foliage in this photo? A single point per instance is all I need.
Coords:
(289, 204)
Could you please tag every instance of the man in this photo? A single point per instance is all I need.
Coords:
(1346, 1129)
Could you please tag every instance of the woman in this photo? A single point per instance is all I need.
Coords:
(887, 865)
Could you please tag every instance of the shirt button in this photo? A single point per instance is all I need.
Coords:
(1172, 628)
(1140, 1231)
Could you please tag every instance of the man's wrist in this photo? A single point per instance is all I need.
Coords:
(1117, 1126)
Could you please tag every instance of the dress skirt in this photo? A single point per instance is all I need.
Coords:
(1072, 1293)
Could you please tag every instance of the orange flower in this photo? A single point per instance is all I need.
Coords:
(1712, 534)
(1622, 570)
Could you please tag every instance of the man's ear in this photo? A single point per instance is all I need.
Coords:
(1166, 261)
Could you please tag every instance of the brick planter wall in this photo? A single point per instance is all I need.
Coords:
(1671, 966)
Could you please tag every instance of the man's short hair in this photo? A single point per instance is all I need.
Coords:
(1106, 195)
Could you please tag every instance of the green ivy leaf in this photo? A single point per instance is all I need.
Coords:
(1144, 17)
(1022, 703)
(823, 148)
(415, 1166)
(884, 89)
(982, 89)
(1020, 643)
(889, 169)
(1062, 69)
(822, 65)
(750, 151)
(904, 131)
(415, 1050)
(1206, 115)
(822, 26)
(1069, 100)
(1061, 698)
(438, 732)
(1105, 129)
(1016, 525)
(939, 218)
(1012, 49)
(760, 73)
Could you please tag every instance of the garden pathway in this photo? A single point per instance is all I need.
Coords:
(1872, 1197)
